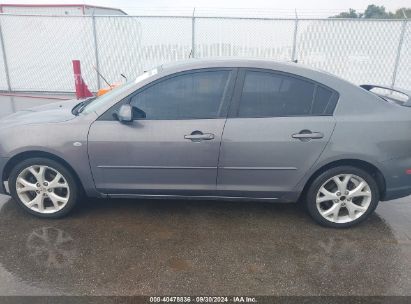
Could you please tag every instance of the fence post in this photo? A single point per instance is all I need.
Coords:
(96, 51)
(295, 38)
(398, 56)
(6, 66)
(193, 24)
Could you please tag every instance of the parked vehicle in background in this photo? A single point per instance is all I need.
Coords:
(215, 129)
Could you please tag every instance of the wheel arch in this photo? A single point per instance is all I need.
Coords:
(32, 154)
(371, 169)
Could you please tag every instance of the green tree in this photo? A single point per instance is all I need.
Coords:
(375, 12)
(399, 13)
(352, 13)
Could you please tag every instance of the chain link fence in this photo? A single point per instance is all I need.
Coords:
(36, 51)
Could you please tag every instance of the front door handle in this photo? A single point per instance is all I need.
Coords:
(307, 135)
(199, 136)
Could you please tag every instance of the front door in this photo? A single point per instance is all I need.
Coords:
(173, 150)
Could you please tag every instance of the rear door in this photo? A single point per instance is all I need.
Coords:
(277, 128)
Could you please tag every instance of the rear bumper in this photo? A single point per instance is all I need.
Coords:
(395, 193)
(397, 181)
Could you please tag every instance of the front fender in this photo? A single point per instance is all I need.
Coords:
(65, 140)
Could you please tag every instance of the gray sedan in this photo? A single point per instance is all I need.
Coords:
(216, 129)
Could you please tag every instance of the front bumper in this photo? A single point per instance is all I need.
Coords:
(4, 184)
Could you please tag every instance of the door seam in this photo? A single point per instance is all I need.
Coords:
(225, 122)
(316, 161)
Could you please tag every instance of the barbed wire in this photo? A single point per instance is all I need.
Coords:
(233, 12)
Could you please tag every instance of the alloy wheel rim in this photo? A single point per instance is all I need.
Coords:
(42, 189)
(343, 198)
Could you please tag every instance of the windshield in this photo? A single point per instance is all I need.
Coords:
(102, 100)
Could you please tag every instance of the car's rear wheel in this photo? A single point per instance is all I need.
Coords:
(342, 197)
(43, 187)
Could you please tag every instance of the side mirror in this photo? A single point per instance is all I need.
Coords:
(128, 113)
(125, 113)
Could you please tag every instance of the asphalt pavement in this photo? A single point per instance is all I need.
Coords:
(148, 247)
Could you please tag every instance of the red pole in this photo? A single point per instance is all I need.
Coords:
(78, 81)
(82, 90)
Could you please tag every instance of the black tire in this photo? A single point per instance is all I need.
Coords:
(323, 177)
(71, 181)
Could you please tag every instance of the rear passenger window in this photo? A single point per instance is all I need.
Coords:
(268, 94)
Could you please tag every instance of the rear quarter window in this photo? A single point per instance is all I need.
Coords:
(324, 101)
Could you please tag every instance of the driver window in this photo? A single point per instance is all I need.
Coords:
(196, 95)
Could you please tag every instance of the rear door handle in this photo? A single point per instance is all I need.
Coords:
(307, 135)
(199, 136)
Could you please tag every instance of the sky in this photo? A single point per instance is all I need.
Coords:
(305, 6)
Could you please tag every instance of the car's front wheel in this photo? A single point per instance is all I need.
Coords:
(342, 197)
(43, 187)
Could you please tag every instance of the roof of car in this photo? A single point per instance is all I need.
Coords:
(288, 67)
(223, 61)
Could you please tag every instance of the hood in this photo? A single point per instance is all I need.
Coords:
(53, 112)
